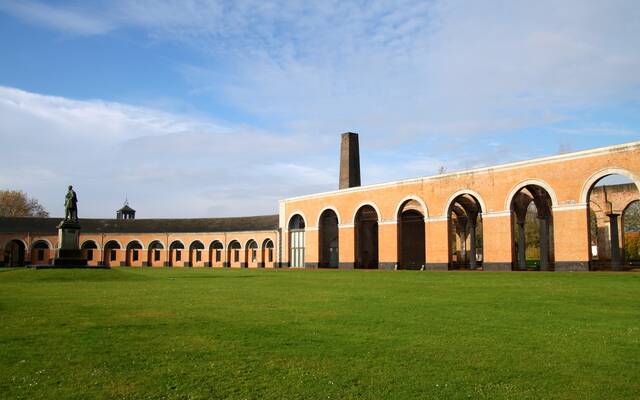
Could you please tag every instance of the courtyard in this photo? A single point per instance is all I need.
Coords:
(183, 333)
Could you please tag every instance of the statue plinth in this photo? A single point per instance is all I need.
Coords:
(68, 252)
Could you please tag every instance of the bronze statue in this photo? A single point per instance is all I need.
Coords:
(71, 206)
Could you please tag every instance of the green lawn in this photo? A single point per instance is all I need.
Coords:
(256, 334)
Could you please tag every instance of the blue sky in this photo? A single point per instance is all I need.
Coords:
(209, 108)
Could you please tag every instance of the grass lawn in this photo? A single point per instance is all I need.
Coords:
(282, 334)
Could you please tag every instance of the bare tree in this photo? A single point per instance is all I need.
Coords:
(16, 203)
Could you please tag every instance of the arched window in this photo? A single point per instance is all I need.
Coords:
(195, 253)
(251, 254)
(133, 253)
(233, 255)
(88, 248)
(215, 252)
(267, 252)
(296, 241)
(175, 253)
(111, 253)
(156, 252)
(40, 252)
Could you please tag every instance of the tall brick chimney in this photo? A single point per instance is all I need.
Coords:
(349, 161)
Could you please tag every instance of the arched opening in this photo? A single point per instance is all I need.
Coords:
(14, 253)
(328, 236)
(251, 254)
(134, 254)
(614, 223)
(296, 241)
(267, 253)
(41, 252)
(196, 258)
(156, 254)
(215, 254)
(631, 227)
(464, 219)
(233, 254)
(112, 254)
(89, 249)
(532, 229)
(366, 238)
(411, 235)
(176, 250)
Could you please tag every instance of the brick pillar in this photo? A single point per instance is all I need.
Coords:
(497, 242)
(571, 239)
(346, 246)
(543, 223)
(437, 246)
(387, 245)
(311, 248)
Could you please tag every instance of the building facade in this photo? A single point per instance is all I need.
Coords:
(245, 242)
(476, 219)
(435, 222)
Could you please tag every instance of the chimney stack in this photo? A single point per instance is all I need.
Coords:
(349, 161)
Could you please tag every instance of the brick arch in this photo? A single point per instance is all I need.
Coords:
(115, 241)
(195, 242)
(425, 209)
(332, 208)
(157, 240)
(17, 239)
(301, 214)
(177, 241)
(534, 182)
(366, 203)
(476, 195)
(595, 177)
(217, 241)
(92, 241)
(50, 246)
(135, 241)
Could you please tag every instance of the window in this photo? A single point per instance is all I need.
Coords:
(113, 255)
(90, 254)
(218, 255)
(253, 254)
(236, 255)
(135, 255)
(156, 255)
(40, 254)
(297, 248)
(178, 255)
(198, 255)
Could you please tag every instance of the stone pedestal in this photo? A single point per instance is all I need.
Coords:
(69, 254)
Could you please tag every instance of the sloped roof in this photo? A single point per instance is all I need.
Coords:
(126, 208)
(194, 225)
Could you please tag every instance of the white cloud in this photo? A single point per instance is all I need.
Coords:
(176, 165)
(65, 19)
(426, 81)
(410, 70)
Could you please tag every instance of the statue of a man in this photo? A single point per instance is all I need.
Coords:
(71, 206)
